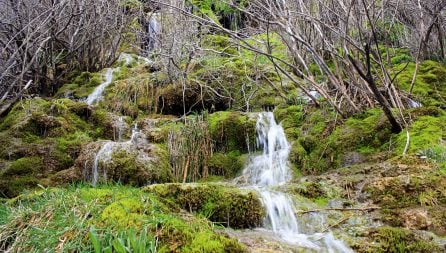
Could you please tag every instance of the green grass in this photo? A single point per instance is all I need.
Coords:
(109, 217)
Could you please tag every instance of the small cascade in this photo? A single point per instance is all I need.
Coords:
(153, 32)
(413, 104)
(119, 128)
(96, 95)
(124, 59)
(271, 169)
(104, 155)
(135, 133)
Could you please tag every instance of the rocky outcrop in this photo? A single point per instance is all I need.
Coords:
(134, 162)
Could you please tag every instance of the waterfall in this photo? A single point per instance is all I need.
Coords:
(271, 169)
(153, 32)
(96, 95)
(105, 153)
(413, 104)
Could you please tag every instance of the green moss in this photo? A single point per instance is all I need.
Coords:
(227, 165)
(429, 87)
(82, 85)
(68, 146)
(410, 182)
(24, 166)
(425, 132)
(124, 213)
(399, 240)
(231, 131)
(128, 167)
(223, 204)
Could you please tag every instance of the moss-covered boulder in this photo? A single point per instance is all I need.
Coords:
(132, 162)
(233, 131)
(223, 204)
(81, 85)
(227, 165)
(43, 137)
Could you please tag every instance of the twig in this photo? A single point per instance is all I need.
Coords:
(337, 223)
(364, 209)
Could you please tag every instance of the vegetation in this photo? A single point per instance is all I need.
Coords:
(109, 217)
(157, 165)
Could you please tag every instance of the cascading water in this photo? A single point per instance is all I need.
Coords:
(105, 154)
(271, 169)
(153, 31)
(124, 58)
(96, 95)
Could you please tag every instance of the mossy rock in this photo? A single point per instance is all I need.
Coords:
(223, 204)
(396, 240)
(50, 132)
(232, 131)
(127, 163)
(228, 165)
(24, 166)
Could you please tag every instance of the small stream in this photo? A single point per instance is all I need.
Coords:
(270, 169)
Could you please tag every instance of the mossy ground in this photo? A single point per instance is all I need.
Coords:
(63, 218)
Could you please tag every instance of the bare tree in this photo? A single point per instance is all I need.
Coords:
(44, 40)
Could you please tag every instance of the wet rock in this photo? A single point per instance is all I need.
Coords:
(351, 158)
(134, 162)
(417, 218)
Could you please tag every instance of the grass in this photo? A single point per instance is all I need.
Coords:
(109, 218)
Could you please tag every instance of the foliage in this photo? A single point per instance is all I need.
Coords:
(124, 241)
(189, 149)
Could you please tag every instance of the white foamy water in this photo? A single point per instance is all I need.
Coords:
(125, 59)
(96, 95)
(271, 169)
(105, 153)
